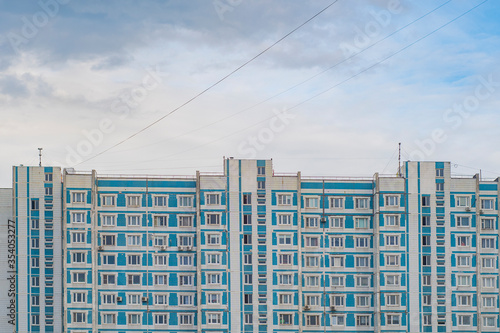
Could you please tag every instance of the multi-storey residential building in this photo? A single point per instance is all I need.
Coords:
(250, 250)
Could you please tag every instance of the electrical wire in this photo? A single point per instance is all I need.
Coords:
(336, 85)
(211, 86)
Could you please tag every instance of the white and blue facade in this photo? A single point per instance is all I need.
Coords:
(249, 250)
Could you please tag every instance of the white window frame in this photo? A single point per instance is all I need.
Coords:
(311, 202)
(212, 199)
(160, 200)
(131, 198)
(391, 200)
(284, 199)
(108, 200)
(336, 202)
(362, 203)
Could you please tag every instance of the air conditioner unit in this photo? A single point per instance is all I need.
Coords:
(181, 248)
(189, 248)
(481, 212)
(307, 307)
(144, 299)
(163, 248)
(467, 209)
(100, 248)
(119, 298)
(332, 308)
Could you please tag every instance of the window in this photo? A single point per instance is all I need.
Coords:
(489, 282)
(362, 320)
(393, 319)
(362, 203)
(261, 170)
(337, 261)
(312, 261)
(247, 298)
(488, 243)
(35, 281)
(392, 260)
(35, 204)
(35, 300)
(79, 317)
(362, 262)
(247, 219)
(212, 198)
(133, 220)
(311, 202)
(108, 220)
(185, 260)
(214, 318)
(79, 297)
(160, 221)
(311, 241)
(463, 201)
(185, 201)
(247, 259)
(161, 319)
(247, 199)
(312, 222)
(213, 258)
(133, 200)
(426, 201)
(337, 300)
(464, 320)
(439, 172)
(489, 301)
(108, 279)
(108, 200)
(392, 200)
(185, 319)
(185, 240)
(35, 243)
(78, 217)
(362, 242)
(285, 279)
(361, 223)
(48, 191)
(488, 224)
(426, 220)
(213, 239)
(463, 221)
(464, 300)
(185, 280)
(161, 279)
(426, 260)
(134, 279)
(213, 278)
(186, 299)
(439, 186)
(285, 319)
(312, 320)
(108, 298)
(35, 224)
(392, 240)
(337, 281)
(463, 261)
(133, 240)
(285, 259)
(108, 259)
(285, 299)
(284, 219)
(337, 203)
(489, 321)
(463, 280)
(261, 184)
(108, 239)
(160, 200)
(134, 299)
(108, 318)
(285, 239)
(247, 239)
(463, 241)
(337, 242)
(78, 277)
(248, 278)
(48, 177)
(392, 300)
(489, 262)
(134, 319)
(134, 259)
(426, 240)
(337, 320)
(362, 281)
(284, 199)
(79, 257)
(337, 222)
(392, 280)
(392, 220)
(427, 319)
(78, 237)
(185, 220)
(78, 197)
(213, 219)
(248, 318)
(487, 204)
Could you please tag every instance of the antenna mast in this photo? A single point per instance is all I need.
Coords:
(399, 161)
(40, 156)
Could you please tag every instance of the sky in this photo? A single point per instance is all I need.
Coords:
(323, 87)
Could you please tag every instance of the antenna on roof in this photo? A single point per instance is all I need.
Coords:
(40, 156)
(399, 161)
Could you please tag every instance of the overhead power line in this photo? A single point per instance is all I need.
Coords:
(211, 86)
